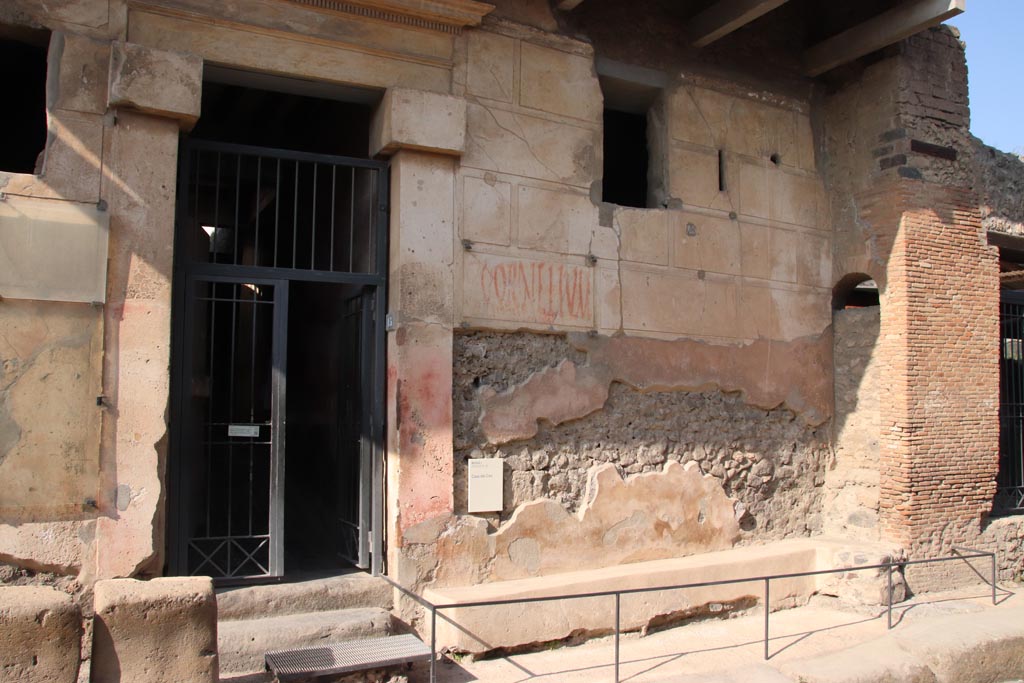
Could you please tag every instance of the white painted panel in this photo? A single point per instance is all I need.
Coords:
(53, 250)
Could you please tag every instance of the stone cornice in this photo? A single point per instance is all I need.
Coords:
(447, 16)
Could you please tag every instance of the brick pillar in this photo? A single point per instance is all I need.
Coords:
(940, 343)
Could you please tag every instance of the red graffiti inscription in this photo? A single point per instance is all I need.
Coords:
(536, 291)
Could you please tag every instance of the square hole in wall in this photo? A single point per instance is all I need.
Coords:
(23, 72)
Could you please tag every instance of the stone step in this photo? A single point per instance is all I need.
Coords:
(242, 644)
(319, 594)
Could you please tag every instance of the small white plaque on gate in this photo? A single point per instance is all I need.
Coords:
(244, 430)
(485, 484)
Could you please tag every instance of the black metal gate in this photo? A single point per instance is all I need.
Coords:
(252, 224)
(1010, 493)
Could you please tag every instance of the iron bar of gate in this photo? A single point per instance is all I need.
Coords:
(963, 555)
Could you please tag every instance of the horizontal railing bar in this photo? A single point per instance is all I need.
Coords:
(702, 584)
(273, 153)
(226, 272)
(418, 598)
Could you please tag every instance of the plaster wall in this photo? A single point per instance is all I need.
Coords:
(541, 252)
(95, 378)
(718, 301)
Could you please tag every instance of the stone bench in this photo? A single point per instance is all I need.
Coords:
(481, 629)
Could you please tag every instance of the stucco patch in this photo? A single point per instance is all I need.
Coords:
(671, 513)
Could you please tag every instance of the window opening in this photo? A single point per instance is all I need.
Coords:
(856, 290)
(625, 158)
(630, 94)
(23, 68)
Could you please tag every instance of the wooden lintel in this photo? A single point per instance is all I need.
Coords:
(725, 16)
(566, 5)
(885, 29)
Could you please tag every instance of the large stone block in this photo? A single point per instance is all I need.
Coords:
(40, 635)
(509, 289)
(559, 83)
(482, 629)
(158, 631)
(557, 222)
(644, 234)
(679, 303)
(529, 146)
(486, 210)
(158, 82)
(760, 130)
(490, 70)
(82, 66)
(706, 243)
(420, 120)
(694, 178)
(771, 193)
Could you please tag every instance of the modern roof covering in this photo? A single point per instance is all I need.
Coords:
(906, 18)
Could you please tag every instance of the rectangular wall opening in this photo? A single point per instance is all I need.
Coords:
(23, 67)
(625, 158)
(632, 135)
(276, 464)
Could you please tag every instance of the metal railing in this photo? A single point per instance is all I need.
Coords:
(962, 554)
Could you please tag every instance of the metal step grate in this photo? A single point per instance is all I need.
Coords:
(348, 657)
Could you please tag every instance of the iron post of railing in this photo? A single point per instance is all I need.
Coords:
(981, 553)
(888, 596)
(618, 597)
(994, 599)
(767, 611)
(433, 645)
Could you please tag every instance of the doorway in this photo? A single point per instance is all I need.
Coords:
(276, 461)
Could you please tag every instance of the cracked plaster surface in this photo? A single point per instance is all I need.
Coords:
(768, 373)
(672, 513)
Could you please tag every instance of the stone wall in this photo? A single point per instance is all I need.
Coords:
(999, 181)
(745, 261)
(769, 463)
(901, 160)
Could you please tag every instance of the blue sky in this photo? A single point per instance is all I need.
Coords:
(993, 30)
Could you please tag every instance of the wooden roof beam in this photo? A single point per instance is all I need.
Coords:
(725, 16)
(885, 29)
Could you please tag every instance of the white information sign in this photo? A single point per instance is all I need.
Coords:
(485, 484)
(251, 431)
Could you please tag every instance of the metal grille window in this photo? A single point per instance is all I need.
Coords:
(298, 212)
(1010, 492)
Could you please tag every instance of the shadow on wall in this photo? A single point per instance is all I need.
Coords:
(851, 492)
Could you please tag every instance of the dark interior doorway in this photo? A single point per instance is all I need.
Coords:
(280, 267)
(326, 423)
